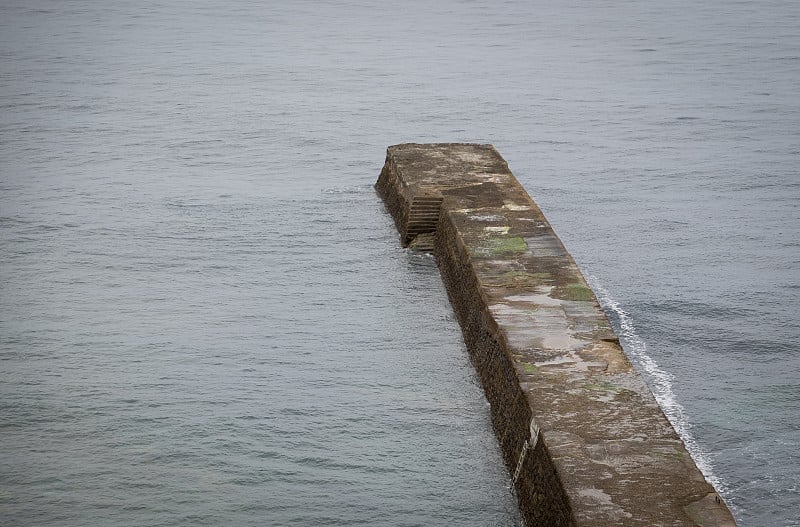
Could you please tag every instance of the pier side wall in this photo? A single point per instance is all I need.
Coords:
(537, 485)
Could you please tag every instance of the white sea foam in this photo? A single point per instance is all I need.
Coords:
(660, 381)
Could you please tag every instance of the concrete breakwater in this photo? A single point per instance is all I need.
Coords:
(580, 432)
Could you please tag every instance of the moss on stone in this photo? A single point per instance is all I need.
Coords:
(578, 292)
(529, 368)
(604, 386)
(516, 279)
(499, 246)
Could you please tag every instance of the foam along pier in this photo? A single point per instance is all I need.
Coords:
(582, 436)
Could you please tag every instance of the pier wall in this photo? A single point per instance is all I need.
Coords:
(580, 432)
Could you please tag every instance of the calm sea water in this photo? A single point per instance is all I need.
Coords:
(205, 317)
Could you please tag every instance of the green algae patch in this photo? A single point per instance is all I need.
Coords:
(499, 246)
(575, 291)
(527, 367)
(524, 278)
(515, 279)
(604, 386)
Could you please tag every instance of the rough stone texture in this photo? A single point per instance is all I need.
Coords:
(602, 452)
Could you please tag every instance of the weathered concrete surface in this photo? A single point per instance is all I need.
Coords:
(579, 429)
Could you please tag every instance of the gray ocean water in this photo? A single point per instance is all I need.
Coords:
(205, 315)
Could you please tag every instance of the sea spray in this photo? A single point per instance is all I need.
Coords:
(660, 381)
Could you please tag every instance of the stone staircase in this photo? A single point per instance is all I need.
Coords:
(423, 215)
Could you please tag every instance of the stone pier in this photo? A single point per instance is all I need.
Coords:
(581, 434)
